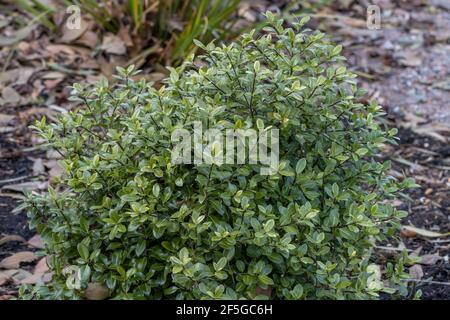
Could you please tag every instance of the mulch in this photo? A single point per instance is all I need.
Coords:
(405, 66)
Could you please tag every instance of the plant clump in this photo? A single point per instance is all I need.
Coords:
(125, 218)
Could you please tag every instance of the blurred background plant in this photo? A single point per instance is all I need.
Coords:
(164, 27)
(160, 31)
(39, 10)
(172, 23)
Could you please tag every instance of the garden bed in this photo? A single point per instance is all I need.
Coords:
(405, 66)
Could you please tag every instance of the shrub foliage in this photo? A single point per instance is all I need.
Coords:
(126, 218)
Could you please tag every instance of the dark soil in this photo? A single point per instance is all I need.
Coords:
(430, 210)
(405, 66)
(13, 164)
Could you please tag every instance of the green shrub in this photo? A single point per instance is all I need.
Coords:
(127, 218)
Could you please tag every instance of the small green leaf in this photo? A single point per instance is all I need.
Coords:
(256, 66)
(220, 264)
(362, 151)
(268, 226)
(259, 124)
(156, 190)
(265, 280)
(297, 292)
(83, 250)
(301, 165)
(336, 50)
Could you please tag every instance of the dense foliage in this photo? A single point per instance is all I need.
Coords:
(127, 218)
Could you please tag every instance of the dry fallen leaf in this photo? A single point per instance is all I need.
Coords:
(55, 170)
(9, 238)
(107, 68)
(20, 187)
(88, 39)
(36, 242)
(410, 58)
(411, 120)
(39, 271)
(41, 266)
(113, 44)
(6, 276)
(10, 95)
(38, 167)
(52, 75)
(5, 129)
(410, 231)
(52, 154)
(96, 291)
(245, 11)
(416, 272)
(16, 76)
(17, 37)
(12, 195)
(429, 259)
(60, 49)
(433, 130)
(5, 119)
(70, 35)
(20, 275)
(14, 261)
(155, 76)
